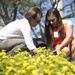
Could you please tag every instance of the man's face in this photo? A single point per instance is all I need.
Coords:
(34, 22)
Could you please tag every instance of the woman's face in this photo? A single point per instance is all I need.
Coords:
(52, 19)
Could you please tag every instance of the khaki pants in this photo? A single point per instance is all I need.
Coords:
(11, 44)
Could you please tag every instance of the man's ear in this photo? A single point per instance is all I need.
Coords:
(47, 23)
(30, 19)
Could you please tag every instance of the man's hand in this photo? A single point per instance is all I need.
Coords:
(35, 50)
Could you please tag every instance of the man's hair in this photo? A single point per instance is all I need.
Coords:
(33, 13)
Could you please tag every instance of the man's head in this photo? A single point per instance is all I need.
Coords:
(33, 15)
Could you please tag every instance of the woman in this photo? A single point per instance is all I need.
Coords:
(59, 33)
(17, 34)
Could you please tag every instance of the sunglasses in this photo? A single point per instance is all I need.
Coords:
(37, 21)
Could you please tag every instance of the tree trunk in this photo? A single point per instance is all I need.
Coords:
(59, 5)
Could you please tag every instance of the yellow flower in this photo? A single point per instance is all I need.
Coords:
(62, 53)
(23, 71)
(18, 63)
(3, 50)
(40, 74)
(73, 68)
(65, 68)
(6, 74)
(25, 64)
(2, 53)
(30, 67)
(18, 48)
(18, 71)
(52, 65)
(9, 68)
(34, 72)
(20, 58)
(58, 73)
(42, 56)
(41, 63)
(69, 73)
(38, 59)
(46, 71)
(44, 60)
(4, 56)
(12, 60)
(15, 74)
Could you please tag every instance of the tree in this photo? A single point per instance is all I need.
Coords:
(9, 9)
(68, 8)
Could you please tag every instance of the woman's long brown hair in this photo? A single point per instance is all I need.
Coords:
(49, 28)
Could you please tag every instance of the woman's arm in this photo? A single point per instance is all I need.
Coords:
(69, 34)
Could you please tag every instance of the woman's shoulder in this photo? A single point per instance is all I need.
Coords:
(67, 22)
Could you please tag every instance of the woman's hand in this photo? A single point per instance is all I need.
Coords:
(57, 49)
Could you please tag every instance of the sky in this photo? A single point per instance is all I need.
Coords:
(0, 27)
(71, 19)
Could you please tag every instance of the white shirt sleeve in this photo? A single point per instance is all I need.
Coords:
(26, 30)
(69, 23)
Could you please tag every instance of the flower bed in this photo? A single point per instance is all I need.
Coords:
(43, 63)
